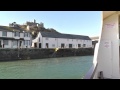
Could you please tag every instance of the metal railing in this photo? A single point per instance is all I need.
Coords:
(90, 74)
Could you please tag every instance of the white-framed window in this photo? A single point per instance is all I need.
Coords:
(27, 42)
(84, 45)
(26, 35)
(15, 43)
(5, 42)
(4, 33)
(17, 34)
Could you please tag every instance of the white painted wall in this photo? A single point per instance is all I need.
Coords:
(21, 35)
(58, 41)
(0, 33)
(108, 58)
(50, 41)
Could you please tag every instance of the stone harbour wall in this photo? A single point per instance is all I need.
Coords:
(25, 54)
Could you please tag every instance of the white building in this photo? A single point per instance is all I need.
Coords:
(59, 40)
(13, 37)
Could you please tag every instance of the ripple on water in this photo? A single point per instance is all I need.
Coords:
(51, 68)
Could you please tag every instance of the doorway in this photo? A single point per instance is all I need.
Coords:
(20, 43)
(0, 44)
(47, 45)
(35, 45)
(62, 45)
(39, 45)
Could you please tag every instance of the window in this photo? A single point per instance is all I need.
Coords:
(5, 42)
(62, 45)
(14, 43)
(27, 42)
(84, 45)
(24, 42)
(53, 45)
(79, 45)
(26, 35)
(39, 39)
(4, 33)
(16, 34)
(70, 45)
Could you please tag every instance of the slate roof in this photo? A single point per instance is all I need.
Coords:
(61, 35)
(10, 29)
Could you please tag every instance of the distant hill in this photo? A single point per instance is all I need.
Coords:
(95, 38)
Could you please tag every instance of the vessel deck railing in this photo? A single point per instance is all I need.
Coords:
(91, 72)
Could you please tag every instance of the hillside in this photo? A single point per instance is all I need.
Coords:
(35, 30)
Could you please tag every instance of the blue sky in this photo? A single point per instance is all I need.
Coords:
(71, 22)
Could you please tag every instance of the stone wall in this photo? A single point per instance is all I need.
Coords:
(23, 54)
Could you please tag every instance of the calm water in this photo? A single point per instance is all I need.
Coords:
(53, 68)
